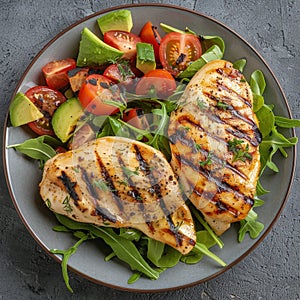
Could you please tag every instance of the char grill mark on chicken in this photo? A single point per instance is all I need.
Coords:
(214, 139)
(119, 182)
(158, 192)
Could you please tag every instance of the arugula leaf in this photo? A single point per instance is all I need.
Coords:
(286, 122)
(258, 102)
(123, 248)
(240, 64)
(258, 85)
(162, 255)
(266, 120)
(196, 213)
(61, 228)
(66, 254)
(194, 256)
(257, 82)
(260, 190)
(118, 128)
(134, 277)
(272, 139)
(258, 202)
(37, 148)
(210, 40)
(109, 256)
(130, 234)
(251, 225)
(269, 147)
(203, 249)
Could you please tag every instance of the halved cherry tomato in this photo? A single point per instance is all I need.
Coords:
(161, 80)
(122, 40)
(119, 73)
(136, 117)
(149, 34)
(47, 101)
(56, 72)
(95, 90)
(177, 50)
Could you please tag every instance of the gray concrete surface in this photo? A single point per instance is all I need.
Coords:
(271, 271)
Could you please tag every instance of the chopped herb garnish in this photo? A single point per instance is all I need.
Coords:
(239, 152)
(67, 205)
(186, 128)
(222, 105)
(125, 70)
(129, 172)
(202, 104)
(123, 182)
(101, 184)
(207, 161)
(198, 147)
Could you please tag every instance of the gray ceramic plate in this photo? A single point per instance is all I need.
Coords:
(23, 174)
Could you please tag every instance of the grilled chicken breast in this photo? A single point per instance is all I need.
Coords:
(119, 182)
(215, 144)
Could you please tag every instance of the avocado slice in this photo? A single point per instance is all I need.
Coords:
(145, 59)
(23, 111)
(117, 20)
(65, 118)
(93, 51)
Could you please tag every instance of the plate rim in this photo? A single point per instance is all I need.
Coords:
(86, 276)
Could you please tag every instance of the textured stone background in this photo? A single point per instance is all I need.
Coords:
(269, 272)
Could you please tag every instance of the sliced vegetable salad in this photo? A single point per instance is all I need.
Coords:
(127, 85)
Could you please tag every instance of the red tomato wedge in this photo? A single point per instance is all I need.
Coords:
(178, 50)
(161, 80)
(123, 41)
(95, 90)
(149, 34)
(56, 72)
(119, 73)
(47, 101)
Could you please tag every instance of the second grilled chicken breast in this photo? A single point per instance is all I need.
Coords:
(119, 182)
(215, 144)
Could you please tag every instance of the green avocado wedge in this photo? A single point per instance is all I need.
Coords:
(65, 118)
(94, 52)
(145, 60)
(23, 111)
(116, 20)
